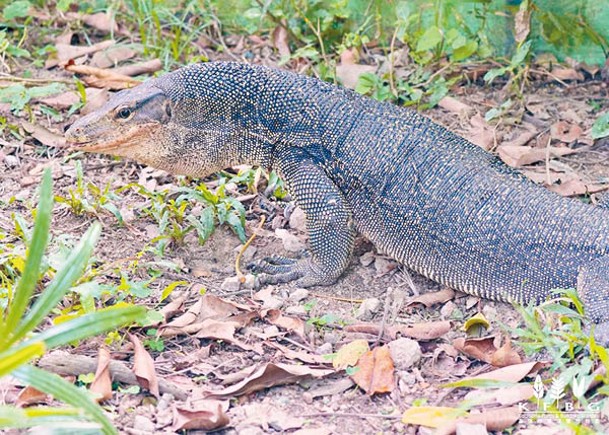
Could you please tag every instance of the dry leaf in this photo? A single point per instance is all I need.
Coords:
(513, 373)
(269, 376)
(172, 308)
(481, 133)
(112, 56)
(430, 416)
(279, 39)
(375, 372)
(432, 298)
(137, 69)
(565, 132)
(291, 324)
(30, 396)
(309, 358)
(576, 187)
(95, 99)
(102, 21)
(505, 355)
(67, 52)
(502, 396)
(44, 136)
(454, 105)
(421, 331)
(522, 23)
(566, 74)
(205, 415)
(102, 383)
(349, 354)
(522, 139)
(485, 350)
(102, 78)
(493, 419)
(517, 156)
(348, 71)
(476, 325)
(143, 367)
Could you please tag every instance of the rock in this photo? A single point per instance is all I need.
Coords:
(383, 265)
(291, 243)
(447, 309)
(231, 284)
(367, 259)
(11, 161)
(299, 294)
(405, 353)
(324, 349)
(298, 220)
(367, 308)
(143, 424)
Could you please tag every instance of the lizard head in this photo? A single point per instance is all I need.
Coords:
(133, 123)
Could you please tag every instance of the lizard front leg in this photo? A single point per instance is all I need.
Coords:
(329, 224)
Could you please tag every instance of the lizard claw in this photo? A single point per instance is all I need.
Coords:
(281, 270)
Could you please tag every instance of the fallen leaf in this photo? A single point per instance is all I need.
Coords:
(102, 78)
(522, 139)
(430, 416)
(172, 308)
(95, 99)
(137, 69)
(112, 56)
(291, 324)
(143, 367)
(348, 71)
(306, 357)
(206, 415)
(481, 133)
(421, 331)
(575, 187)
(31, 396)
(433, 298)
(224, 330)
(454, 105)
(268, 376)
(484, 349)
(43, 135)
(67, 52)
(566, 74)
(279, 39)
(505, 355)
(517, 156)
(375, 372)
(501, 396)
(493, 419)
(565, 132)
(522, 22)
(513, 373)
(102, 383)
(349, 354)
(331, 387)
(102, 21)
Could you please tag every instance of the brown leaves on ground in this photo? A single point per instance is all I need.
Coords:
(102, 78)
(102, 383)
(267, 376)
(375, 371)
(348, 70)
(484, 349)
(143, 367)
(205, 415)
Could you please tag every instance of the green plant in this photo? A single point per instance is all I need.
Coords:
(600, 128)
(22, 337)
(516, 68)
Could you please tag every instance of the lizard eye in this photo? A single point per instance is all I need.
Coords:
(124, 113)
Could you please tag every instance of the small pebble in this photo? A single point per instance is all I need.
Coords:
(231, 284)
(367, 308)
(405, 353)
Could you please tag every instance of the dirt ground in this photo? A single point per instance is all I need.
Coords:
(324, 405)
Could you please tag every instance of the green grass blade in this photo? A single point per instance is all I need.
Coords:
(13, 358)
(17, 418)
(63, 281)
(60, 389)
(28, 280)
(89, 325)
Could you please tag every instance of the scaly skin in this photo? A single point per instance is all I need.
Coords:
(421, 194)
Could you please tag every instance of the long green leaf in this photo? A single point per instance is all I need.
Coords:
(88, 325)
(13, 358)
(28, 280)
(16, 418)
(63, 281)
(60, 389)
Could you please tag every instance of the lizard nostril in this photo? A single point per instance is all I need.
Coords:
(66, 127)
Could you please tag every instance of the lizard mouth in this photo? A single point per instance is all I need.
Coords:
(93, 145)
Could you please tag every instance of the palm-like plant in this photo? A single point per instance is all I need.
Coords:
(22, 339)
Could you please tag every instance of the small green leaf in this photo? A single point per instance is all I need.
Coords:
(14, 358)
(430, 39)
(600, 128)
(170, 288)
(18, 9)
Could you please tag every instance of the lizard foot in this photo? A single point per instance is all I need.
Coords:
(280, 270)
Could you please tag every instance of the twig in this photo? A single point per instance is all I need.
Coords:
(351, 414)
(240, 254)
(31, 81)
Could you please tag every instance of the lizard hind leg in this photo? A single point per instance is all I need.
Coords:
(593, 289)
